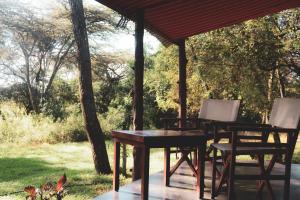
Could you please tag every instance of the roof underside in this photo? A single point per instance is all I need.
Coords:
(171, 20)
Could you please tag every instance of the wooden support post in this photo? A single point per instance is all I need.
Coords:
(182, 83)
(138, 90)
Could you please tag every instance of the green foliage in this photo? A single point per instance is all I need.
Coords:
(119, 93)
(113, 119)
(119, 113)
(18, 93)
(16, 126)
(104, 94)
(255, 61)
(162, 78)
(108, 73)
(35, 48)
(61, 95)
(22, 165)
(71, 129)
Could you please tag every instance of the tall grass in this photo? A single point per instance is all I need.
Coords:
(16, 126)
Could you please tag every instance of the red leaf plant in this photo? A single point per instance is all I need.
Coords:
(31, 191)
(47, 191)
(60, 187)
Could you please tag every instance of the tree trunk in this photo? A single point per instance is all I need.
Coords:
(124, 160)
(281, 82)
(27, 79)
(58, 62)
(269, 95)
(31, 97)
(91, 122)
(125, 126)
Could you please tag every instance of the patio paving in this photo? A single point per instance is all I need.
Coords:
(182, 186)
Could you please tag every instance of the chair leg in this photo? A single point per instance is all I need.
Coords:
(167, 167)
(208, 158)
(195, 158)
(210, 149)
(213, 184)
(286, 193)
(264, 172)
(181, 160)
(267, 171)
(191, 165)
(231, 178)
(224, 175)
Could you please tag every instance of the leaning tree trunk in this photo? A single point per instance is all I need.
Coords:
(31, 98)
(281, 81)
(91, 122)
(269, 95)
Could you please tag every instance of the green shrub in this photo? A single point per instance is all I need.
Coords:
(69, 130)
(112, 119)
(18, 127)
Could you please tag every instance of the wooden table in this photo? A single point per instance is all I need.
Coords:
(147, 139)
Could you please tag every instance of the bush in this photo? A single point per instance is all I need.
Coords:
(18, 127)
(112, 119)
(69, 130)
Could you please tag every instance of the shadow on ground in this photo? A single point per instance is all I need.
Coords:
(21, 168)
(16, 173)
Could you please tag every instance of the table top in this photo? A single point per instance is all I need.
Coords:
(161, 137)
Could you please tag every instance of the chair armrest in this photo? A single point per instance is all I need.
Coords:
(261, 129)
(178, 119)
(237, 124)
(169, 123)
(183, 129)
(250, 124)
(169, 119)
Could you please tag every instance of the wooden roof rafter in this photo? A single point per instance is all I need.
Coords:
(172, 20)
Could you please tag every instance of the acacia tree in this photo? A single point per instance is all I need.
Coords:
(35, 50)
(91, 122)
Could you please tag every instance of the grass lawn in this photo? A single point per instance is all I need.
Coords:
(22, 165)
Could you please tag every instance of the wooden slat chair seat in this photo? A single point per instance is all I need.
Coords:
(212, 111)
(244, 150)
(222, 134)
(284, 119)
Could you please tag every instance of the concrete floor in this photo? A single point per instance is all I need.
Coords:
(183, 186)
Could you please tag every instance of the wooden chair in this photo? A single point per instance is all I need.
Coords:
(284, 118)
(216, 115)
(213, 115)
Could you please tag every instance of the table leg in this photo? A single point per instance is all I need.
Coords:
(201, 169)
(116, 180)
(145, 174)
(167, 167)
